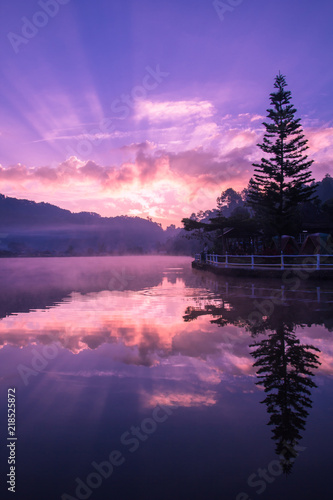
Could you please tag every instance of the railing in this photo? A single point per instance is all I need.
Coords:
(282, 261)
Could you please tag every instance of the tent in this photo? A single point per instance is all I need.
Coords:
(317, 243)
(288, 244)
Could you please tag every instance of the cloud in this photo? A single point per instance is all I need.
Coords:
(181, 398)
(168, 173)
(320, 139)
(159, 183)
(142, 146)
(320, 142)
(173, 110)
(257, 117)
(146, 167)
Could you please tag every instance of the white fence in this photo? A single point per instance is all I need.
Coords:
(267, 261)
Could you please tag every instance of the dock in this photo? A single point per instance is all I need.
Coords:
(282, 266)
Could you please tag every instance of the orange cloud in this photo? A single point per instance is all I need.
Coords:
(181, 169)
(165, 185)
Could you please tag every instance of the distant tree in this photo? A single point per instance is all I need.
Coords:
(327, 213)
(229, 201)
(283, 179)
(325, 188)
(199, 227)
(208, 227)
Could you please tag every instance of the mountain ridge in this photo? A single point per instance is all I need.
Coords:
(28, 228)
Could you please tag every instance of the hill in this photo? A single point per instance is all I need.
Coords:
(28, 228)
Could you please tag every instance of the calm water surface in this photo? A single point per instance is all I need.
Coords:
(138, 378)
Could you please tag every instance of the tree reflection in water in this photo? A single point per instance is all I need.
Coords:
(285, 368)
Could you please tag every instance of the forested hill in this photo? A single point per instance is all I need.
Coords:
(29, 228)
(26, 214)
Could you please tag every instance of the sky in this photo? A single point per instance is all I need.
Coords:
(153, 108)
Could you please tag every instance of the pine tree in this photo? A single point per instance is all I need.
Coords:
(282, 180)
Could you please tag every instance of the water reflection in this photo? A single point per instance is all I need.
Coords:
(284, 365)
(36, 283)
(259, 307)
(132, 334)
(284, 368)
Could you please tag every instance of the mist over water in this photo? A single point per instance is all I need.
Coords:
(95, 344)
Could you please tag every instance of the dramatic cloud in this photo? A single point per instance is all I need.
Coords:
(171, 184)
(180, 169)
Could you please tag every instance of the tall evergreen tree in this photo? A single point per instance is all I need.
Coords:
(282, 180)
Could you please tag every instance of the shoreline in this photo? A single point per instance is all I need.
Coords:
(243, 272)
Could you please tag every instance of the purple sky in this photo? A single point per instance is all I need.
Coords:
(153, 107)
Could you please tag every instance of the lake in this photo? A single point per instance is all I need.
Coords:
(139, 378)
